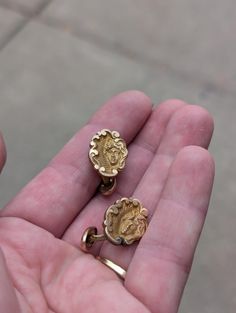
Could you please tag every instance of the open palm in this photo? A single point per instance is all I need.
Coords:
(168, 169)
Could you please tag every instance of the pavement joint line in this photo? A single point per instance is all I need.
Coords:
(13, 34)
(10, 8)
(18, 8)
(106, 45)
(136, 57)
(21, 25)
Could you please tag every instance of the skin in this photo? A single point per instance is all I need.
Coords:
(42, 269)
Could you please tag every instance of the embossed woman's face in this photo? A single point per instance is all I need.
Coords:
(132, 225)
(113, 155)
(129, 224)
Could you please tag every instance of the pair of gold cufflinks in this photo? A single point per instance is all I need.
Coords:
(126, 220)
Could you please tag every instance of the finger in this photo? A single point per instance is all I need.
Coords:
(141, 153)
(59, 192)
(191, 125)
(164, 256)
(8, 300)
(2, 152)
(143, 148)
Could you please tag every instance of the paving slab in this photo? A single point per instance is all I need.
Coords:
(196, 37)
(10, 22)
(25, 7)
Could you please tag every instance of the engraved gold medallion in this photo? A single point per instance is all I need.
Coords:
(108, 153)
(125, 222)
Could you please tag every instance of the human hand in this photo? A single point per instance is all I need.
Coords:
(168, 169)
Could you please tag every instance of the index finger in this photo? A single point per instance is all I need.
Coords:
(54, 197)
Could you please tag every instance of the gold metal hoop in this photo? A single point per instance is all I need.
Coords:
(116, 268)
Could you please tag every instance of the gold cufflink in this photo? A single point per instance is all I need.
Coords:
(108, 153)
(125, 222)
